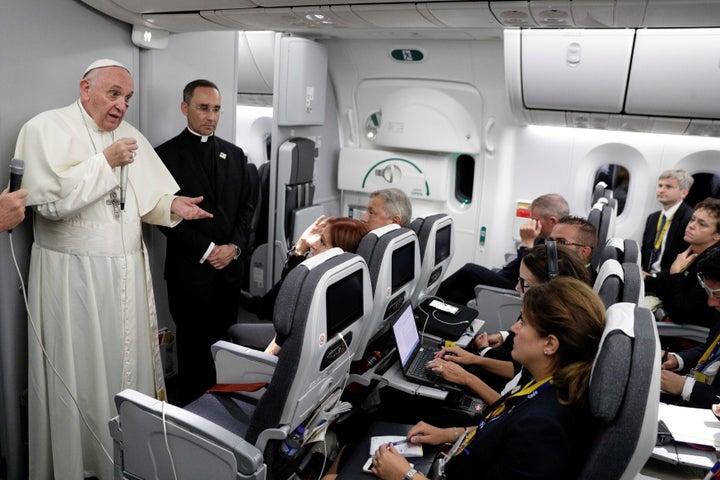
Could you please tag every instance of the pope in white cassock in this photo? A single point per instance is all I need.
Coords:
(91, 301)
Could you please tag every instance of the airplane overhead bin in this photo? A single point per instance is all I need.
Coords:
(650, 80)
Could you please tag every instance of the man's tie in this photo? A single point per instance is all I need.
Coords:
(659, 235)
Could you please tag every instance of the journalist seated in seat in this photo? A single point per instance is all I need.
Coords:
(487, 372)
(541, 429)
(690, 377)
(388, 206)
(323, 234)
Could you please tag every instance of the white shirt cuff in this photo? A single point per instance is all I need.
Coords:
(687, 388)
(484, 351)
(680, 362)
(207, 252)
(504, 334)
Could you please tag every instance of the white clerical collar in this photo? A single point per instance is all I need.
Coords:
(671, 211)
(203, 138)
(89, 121)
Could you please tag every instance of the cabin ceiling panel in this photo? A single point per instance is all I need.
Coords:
(279, 19)
(694, 13)
(156, 6)
(295, 3)
(181, 22)
(460, 14)
(388, 18)
(395, 16)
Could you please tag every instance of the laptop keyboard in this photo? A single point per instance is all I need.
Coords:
(419, 368)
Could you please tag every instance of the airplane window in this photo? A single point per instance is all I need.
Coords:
(464, 179)
(617, 179)
(705, 185)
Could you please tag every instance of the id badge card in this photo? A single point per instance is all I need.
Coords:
(456, 448)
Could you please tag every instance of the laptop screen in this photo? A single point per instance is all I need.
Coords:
(406, 335)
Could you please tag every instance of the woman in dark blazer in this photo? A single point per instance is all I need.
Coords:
(541, 429)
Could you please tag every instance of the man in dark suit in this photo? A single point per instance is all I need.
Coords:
(697, 384)
(683, 299)
(202, 269)
(663, 236)
(545, 212)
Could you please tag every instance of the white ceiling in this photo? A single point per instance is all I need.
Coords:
(406, 18)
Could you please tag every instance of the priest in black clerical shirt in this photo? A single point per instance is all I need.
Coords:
(202, 267)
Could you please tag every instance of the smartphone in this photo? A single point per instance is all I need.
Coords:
(444, 307)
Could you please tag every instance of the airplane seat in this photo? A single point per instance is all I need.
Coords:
(622, 250)
(633, 284)
(299, 211)
(255, 268)
(603, 216)
(624, 394)
(261, 226)
(609, 283)
(146, 429)
(435, 238)
(253, 178)
(631, 251)
(499, 307)
(601, 190)
(696, 333)
(326, 301)
(295, 208)
(392, 254)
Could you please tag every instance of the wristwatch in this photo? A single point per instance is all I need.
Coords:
(237, 251)
(409, 475)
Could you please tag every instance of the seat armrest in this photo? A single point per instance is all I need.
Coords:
(238, 364)
(689, 331)
(141, 417)
(505, 291)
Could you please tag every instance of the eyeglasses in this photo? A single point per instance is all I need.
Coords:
(562, 241)
(524, 286)
(206, 109)
(715, 293)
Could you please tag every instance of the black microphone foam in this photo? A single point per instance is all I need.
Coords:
(17, 168)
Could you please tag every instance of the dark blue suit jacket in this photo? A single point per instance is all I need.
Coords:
(675, 233)
(703, 395)
(539, 439)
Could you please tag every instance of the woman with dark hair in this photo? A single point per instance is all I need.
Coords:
(538, 430)
(487, 372)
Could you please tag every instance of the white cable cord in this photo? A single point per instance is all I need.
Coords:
(322, 469)
(47, 357)
(167, 444)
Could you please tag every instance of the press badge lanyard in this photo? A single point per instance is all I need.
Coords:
(661, 229)
(531, 390)
(710, 355)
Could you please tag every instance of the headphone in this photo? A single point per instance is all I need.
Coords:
(552, 259)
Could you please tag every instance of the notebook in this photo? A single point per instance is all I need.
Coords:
(414, 356)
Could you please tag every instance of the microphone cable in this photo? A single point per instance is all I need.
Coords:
(49, 362)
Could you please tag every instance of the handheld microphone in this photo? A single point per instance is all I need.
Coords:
(17, 168)
(123, 185)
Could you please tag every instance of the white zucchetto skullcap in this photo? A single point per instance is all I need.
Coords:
(104, 62)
